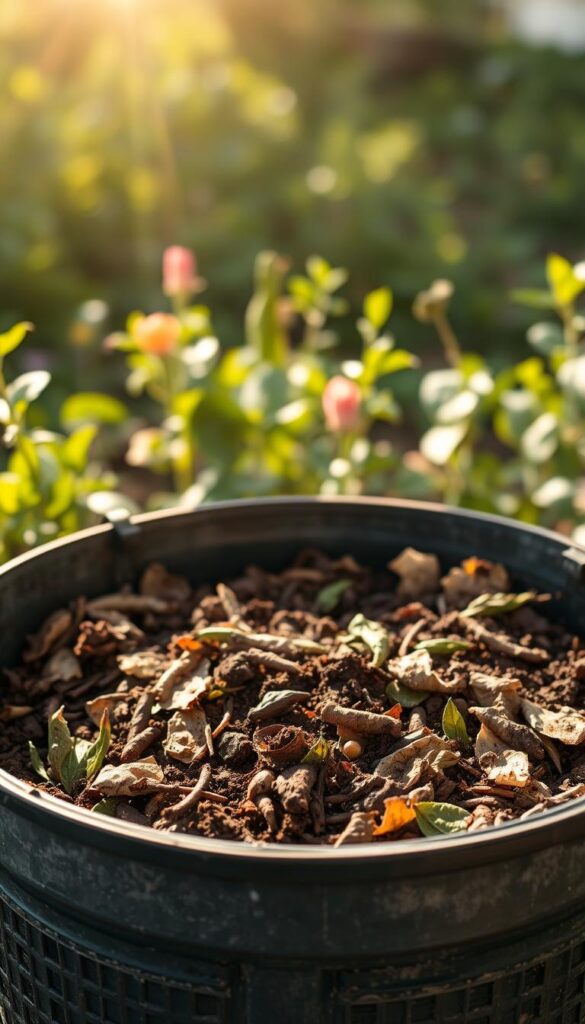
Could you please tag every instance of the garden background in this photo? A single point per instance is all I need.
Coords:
(376, 148)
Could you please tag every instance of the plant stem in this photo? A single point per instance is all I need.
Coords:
(448, 339)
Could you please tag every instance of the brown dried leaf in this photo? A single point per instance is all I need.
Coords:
(63, 665)
(52, 630)
(186, 738)
(157, 582)
(175, 673)
(134, 779)
(105, 702)
(514, 735)
(495, 692)
(473, 578)
(11, 711)
(415, 670)
(406, 765)
(359, 829)
(504, 766)
(190, 690)
(419, 573)
(566, 725)
(142, 665)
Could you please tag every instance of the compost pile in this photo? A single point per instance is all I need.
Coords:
(327, 704)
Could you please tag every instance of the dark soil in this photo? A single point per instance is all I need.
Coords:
(254, 770)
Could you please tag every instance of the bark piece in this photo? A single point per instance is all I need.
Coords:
(294, 787)
(363, 723)
(518, 737)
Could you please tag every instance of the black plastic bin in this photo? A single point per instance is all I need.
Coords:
(103, 922)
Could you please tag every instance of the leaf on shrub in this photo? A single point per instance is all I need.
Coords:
(436, 819)
(36, 762)
(133, 779)
(564, 283)
(443, 645)
(317, 754)
(404, 695)
(453, 723)
(397, 812)
(373, 635)
(329, 597)
(12, 339)
(92, 407)
(439, 443)
(497, 604)
(378, 306)
(540, 440)
(27, 388)
(566, 725)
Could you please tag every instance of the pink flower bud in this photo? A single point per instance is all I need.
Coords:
(158, 333)
(179, 271)
(341, 404)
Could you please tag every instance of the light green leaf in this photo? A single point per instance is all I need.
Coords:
(564, 284)
(453, 723)
(26, 388)
(443, 645)
(378, 306)
(13, 338)
(540, 441)
(373, 635)
(436, 819)
(74, 451)
(395, 691)
(536, 298)
(60, 744)
(94, 757)
(497, 604)
(92, 407)
(329, 597)
(106, 806)
(9, 493)
(35, 760)
(317, 754)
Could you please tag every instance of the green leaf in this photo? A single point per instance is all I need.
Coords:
(378, 306)
(497, 604)
(536, 298)
(373, 635)
(95, 755)
(35, 760)
(440, 443)
(74, 451)
(436, 819)
(26, 388)
(60, 745)
(9, 493)
(453, 723)
(317, 754)
(564, 284)
(395, 691)
(540, 441)
(13, 338)
(443, 645)
(106, 806)
(329, 597)
(92, 407)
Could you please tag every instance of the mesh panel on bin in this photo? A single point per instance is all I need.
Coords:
(45, 979)
(550, 990)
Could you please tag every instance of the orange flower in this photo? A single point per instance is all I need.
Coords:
(158, 333)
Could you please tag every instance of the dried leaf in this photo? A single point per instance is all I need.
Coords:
(36, 762)
(359, 829)
(443, 645)
(317, 754)
(419, 573)
(404, 695)
(12, 711)
(106, 701)
(454, 723)
(142, 665)
(373, 635)
(497, 604)
(566, 725)
(552, 751)
(134, 779)
(186, 738)
(329, 597)
(397, 812)
(175, 673)
(437, 819)
(406, 764)
(504, 767)
(415, 670)
(474, 577)
(495, 692)
(264, 641)
(514, 735)
(53, 629)
(276, 702)
(156, 581)
(63, 665)
(190, 690)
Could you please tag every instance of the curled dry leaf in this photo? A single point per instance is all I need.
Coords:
(289, 646)
(504, 767)
(359, 829)
(516, 736)
(51, 632)
(363, 723)
(187, 691)
(178, 670)
(276, 702)
(133, 779)
(157, 582)
(495, 692)
(415, 670)
(473, 577)
(106, 701)
(142, 665)
(493, 605)
(566, 725)
(419, 573)
(409, 762)
(397, 813)
(280, 744)
(186, 735)
(63, 665)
